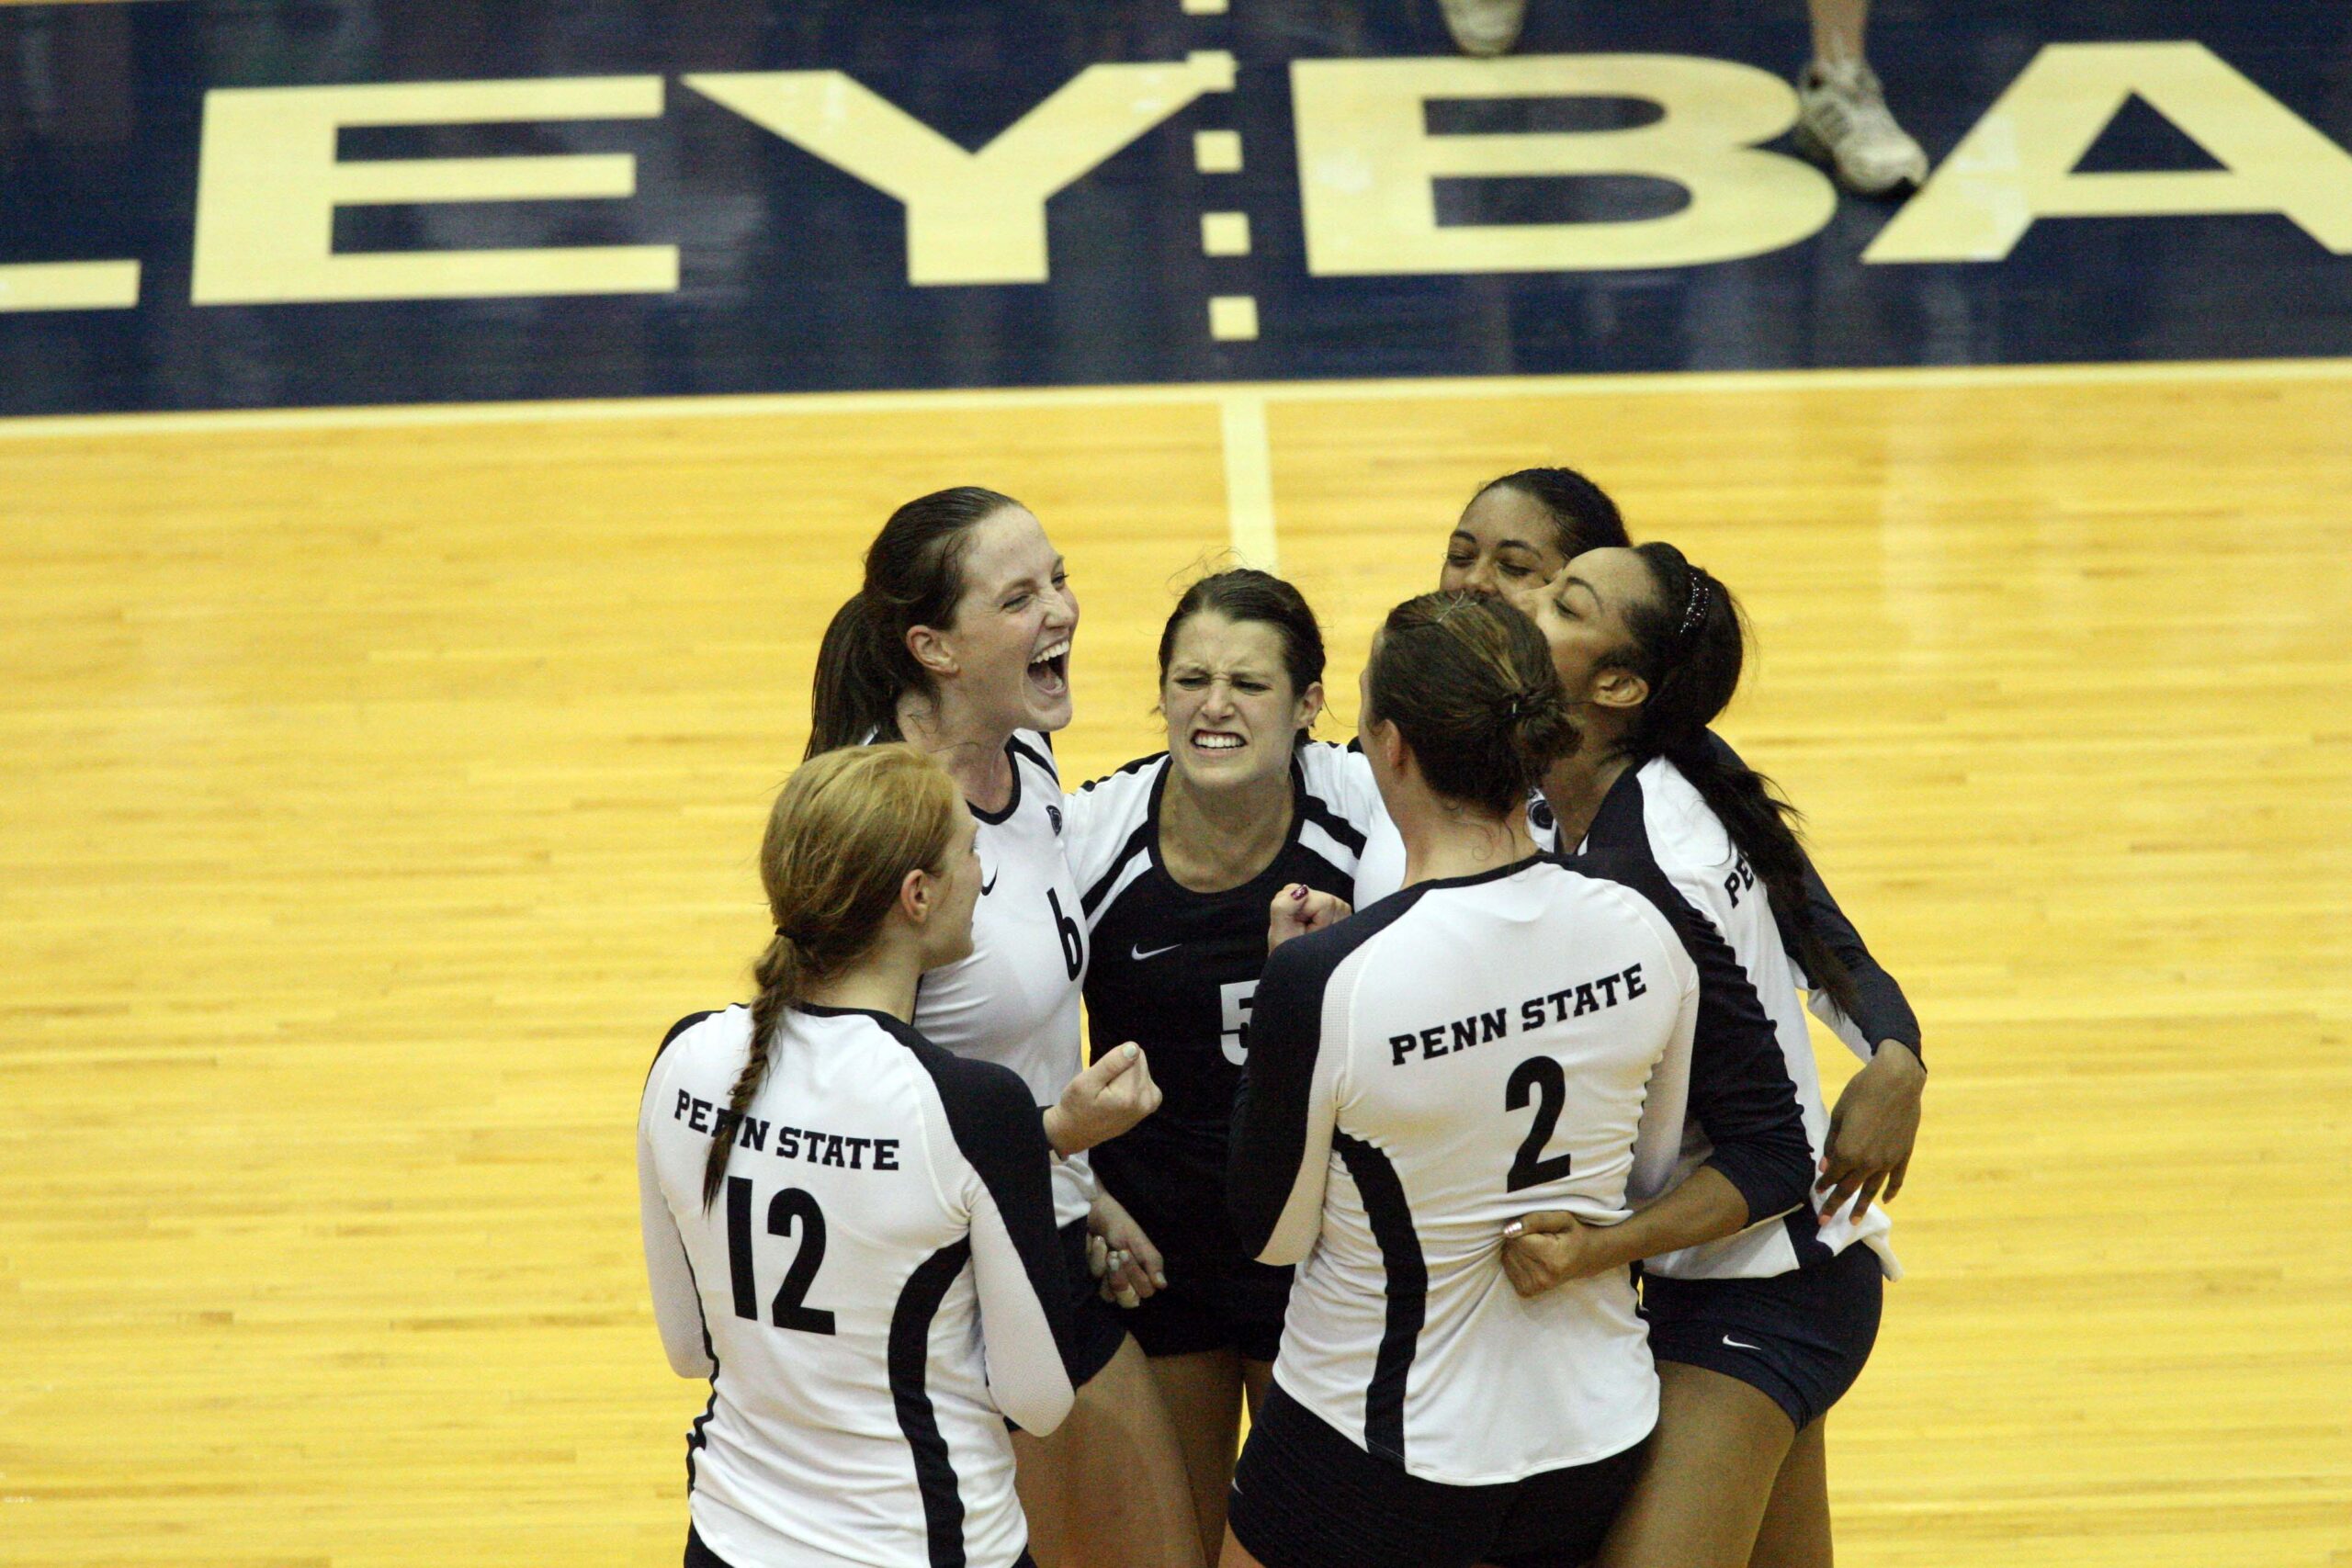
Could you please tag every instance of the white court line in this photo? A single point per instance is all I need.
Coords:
(1249, 481)
(1173, 394)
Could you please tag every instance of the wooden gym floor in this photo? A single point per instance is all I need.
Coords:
(381, 786)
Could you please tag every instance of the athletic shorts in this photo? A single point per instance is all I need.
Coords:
(1214, 1310)
(1802, 1337)
(700, 1556)
(1303, 1496)
(1097, 1328)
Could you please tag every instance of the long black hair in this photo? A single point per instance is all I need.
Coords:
(1688, 643)
(1468, 682)
(1245, 595)
(914, 576)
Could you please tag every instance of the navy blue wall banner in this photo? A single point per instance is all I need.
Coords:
(231, 203)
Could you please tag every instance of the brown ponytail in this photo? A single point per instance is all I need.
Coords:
(844, 831)
(1468, 681)
(914, 577)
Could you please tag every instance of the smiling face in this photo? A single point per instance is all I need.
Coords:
(1582, 615)
(1006, 656)
(1507, 541)
(1231, 714)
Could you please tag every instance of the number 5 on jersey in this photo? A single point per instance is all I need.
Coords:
(787, 1211)
(1234, 998)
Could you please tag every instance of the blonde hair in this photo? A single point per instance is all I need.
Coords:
(844, 831)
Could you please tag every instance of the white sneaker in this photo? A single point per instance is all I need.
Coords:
(1484, 27)
(1842, 120)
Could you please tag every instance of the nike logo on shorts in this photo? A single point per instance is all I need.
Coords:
(1139, 954)
(1736, 1345)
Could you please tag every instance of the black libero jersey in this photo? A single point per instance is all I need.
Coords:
(1176, 971)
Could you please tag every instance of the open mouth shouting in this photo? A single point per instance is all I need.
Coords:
(1049, 671)
(1217, 742)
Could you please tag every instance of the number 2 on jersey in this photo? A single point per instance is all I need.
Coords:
(789, 1209)
(1542, 1076)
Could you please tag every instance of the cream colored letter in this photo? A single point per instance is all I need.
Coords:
(267, 184)
(1367, 163)
(971, 217)
(2017, 164)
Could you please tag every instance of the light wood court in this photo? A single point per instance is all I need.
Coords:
(383, 785)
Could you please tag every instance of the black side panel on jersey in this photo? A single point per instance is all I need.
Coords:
(943, 1502)
(1284, 1034)
(1740, 1089)
(1391, 1217)
(1885, 1012)
(998, 1130)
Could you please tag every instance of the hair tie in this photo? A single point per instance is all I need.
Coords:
(1694, 611)
(1515, 706)
(797, 935)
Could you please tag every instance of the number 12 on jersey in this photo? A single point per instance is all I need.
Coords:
(787, 1211)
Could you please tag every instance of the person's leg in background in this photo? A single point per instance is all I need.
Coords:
(1843, 120)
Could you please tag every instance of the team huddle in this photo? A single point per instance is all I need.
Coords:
(1448, 1101)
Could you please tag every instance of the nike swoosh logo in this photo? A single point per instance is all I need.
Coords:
(1738, 1345)
(1139, 954)
(990, 885)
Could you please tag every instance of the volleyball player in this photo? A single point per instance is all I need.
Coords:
(849, 1231)
(1491, 1040)
(1518, 533)
(959, 642)
(1178, 855)
(1757, 1336)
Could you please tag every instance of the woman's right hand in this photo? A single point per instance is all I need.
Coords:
(1104, 1101)
(1298, 909)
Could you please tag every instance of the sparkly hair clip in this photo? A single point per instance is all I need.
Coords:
(1695, 611)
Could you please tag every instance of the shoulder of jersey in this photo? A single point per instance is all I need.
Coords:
(1126, 790)
(1038, 748)
(1683, 827)
(1341, 798)
(697, 1026)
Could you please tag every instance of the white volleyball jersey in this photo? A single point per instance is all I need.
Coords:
(1419, 1075)
(1015, 1000)
(1654, 813)
(877, 1286)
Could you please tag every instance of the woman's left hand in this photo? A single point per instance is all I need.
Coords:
(1132, 1265)
(1547, 1249)
(1872, 1131)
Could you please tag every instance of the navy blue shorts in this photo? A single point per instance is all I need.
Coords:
(1214, 1310)
(1303, 1496)
(1802, 1337)
(1096, 1329)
